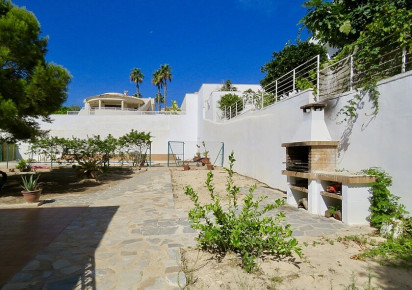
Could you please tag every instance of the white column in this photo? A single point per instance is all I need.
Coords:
(100, 104)
(290, 197)
(122, 105)
(355, 203)
(314, 196)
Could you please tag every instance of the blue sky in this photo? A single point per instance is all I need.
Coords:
(100, 42)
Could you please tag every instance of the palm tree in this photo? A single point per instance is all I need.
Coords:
(159, 99)
(165, 75)
(137, 76)
(157, 81)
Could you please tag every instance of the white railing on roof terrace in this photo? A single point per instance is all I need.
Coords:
(107, 110)
(299, 78)
(73, 112)
(328, 80)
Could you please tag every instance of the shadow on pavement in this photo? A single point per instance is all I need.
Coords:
(51, 248)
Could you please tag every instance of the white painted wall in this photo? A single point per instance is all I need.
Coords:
(256, 136)
(382, 140)
(209, 95)
(163, 128)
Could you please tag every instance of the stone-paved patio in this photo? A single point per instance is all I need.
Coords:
(127, 237)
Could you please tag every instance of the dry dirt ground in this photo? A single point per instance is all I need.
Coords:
(328, 262)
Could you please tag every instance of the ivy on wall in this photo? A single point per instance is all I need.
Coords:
(377, 55)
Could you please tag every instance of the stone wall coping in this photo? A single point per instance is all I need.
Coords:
(311, 143)
(341, 177)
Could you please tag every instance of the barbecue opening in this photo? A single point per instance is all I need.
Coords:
(297, 158)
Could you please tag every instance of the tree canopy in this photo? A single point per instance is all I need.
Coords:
(30, 87)
(165, 75)
(229, 100)
(340, 22)
(228, 87)
(291, 56)
(158, 82)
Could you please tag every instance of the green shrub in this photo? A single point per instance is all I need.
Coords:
(384, 205)
(21, 165)
(243, 230)
(230, 100)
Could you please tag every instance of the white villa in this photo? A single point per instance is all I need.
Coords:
(116, 102)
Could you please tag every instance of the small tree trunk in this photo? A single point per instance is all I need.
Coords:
(165, 95)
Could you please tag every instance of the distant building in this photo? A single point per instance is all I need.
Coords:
(103, 103)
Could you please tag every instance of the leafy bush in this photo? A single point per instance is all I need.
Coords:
(291, 56)
(341, 22)
(394, 252)
(245, 229)
(21, 165)
(384, 205)
(230, 100)
(376, 52)
(95, 152)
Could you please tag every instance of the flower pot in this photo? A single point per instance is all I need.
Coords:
(210, 166)
(328, 214)
(31, 196)
(338, 215)
(186, 167)
(205, 160)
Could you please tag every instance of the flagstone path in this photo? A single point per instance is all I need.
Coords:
(129, 237)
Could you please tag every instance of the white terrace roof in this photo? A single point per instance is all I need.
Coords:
(116, 97)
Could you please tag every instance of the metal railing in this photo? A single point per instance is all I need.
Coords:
(73, 112)
(329, 80)
(345, 75)
(135, 111)
(300, 78)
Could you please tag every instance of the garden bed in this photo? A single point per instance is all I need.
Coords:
(60, 181)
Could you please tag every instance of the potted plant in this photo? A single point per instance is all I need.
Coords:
(22, 166)
(334, 211)
(31, 192)
(186, 166)
(205, 159)
(197, 157)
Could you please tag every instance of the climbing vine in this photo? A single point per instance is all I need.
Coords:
(377, 54)
(384, 205)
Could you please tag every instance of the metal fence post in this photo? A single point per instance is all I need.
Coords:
(294, 79)
(183, 158)
(317, 77)
(276, 91)
(230, 112)
(168, 153)
(7, 155)
(223, 153)
(263, 101)
(351, 73)
(225, 115)
(403, 60)
(236, 109)
(150, 155)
